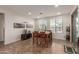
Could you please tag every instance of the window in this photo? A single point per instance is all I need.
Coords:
(56, 25)
(42, 24)
(52, 25)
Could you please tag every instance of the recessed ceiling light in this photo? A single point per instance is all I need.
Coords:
(29, 13)
(58, 13)
(56, 5)
(38, 17)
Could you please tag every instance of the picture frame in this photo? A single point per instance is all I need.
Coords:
(18, 25)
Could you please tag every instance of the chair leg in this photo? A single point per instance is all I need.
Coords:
(47, 42)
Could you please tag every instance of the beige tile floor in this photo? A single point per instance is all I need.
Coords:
(26, 47)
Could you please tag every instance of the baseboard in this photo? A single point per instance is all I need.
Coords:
(10, 42)
(59, 39)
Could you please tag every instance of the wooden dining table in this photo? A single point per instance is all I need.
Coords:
(43, 39)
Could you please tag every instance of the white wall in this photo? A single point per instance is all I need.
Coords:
(66, 22)
(12, 34)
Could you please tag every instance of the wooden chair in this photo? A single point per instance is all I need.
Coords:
(44, 40)
(50, 38)
(35, 38)
(50, 35)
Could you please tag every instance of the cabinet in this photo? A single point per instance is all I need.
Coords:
(26, 36)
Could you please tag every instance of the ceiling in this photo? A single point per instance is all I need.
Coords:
(38, 11)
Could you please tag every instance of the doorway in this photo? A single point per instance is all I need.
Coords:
(2, 37)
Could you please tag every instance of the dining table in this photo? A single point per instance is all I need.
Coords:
(42, 38)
